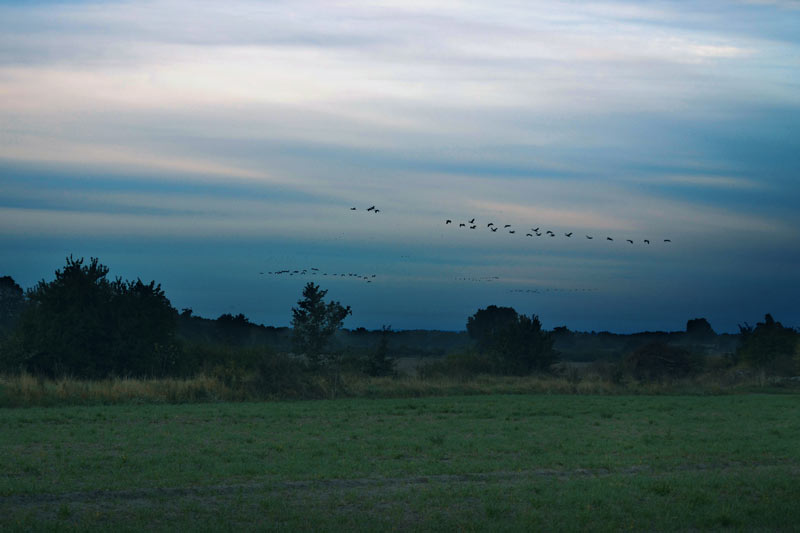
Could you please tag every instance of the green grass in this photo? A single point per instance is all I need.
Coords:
(495, 462)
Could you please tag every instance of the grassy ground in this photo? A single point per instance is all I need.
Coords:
(553, 462)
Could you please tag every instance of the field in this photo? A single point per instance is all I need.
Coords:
(493, 462)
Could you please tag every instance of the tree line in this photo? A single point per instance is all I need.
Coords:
(83, 324)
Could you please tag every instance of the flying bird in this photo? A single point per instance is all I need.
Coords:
(609, 239)
(352, 209)
(472, 221)
(507, 226)
(630, 241)
(473, 226)
(528, 235)
(511, 231)
(448, 221)
(647, 241)
(494, 229)
(371, 208)
(377, 211)
(490, 224)
(535, 230)
(462, 225)
(568, 234)
(667, 240)
(588, 237)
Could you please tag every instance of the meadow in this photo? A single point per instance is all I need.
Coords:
(479, 462)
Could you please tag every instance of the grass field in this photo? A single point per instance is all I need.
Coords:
(494, 462)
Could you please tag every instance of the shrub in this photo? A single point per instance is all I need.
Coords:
(769, 346)
(659, 360)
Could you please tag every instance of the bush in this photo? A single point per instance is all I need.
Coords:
(659, 360)
(769, 346)
(83, 325)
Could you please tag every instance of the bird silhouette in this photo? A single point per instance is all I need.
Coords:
(630, 241)
(535, 230)
(448, 221)
(609, 239)
(528, 235)
(352, 209)
(647, 241)
(588, 237)
(511, 231)
(494, 229)
(507, 226)
(371, 208)
(667, 240)
(472, 221)
(473, 226)
(377, 211)
(490, 224)
(568, 234)
(462, 225)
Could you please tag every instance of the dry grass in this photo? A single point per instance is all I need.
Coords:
(26, 390)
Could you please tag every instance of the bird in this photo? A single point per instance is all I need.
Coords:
(511, 231)
(494, 229)
(568, 234)
(490, 224)
(352, 209)
(377, 211)
(371, 208)
(507, 226)
(473, 226)
(472, 221)
(535, 230)
(448, 221)
(588, 237)
(609, 239)
(647, 241)
(528, 235)
(462, 225)
(549, 232)
(630, 241)
(552, 234)
(538, 234)
(667, 240)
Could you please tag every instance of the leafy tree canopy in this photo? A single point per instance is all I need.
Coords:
(84, 325)
(767, 342)
(486, 323)
(12, 300)
(314, 322)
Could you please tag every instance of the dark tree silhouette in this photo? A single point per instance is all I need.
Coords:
(769, 345)
(379, 362)
(314, 322)
(522, 347)
(483, 325)
(699, 328)
(12, 301)
(84, 325)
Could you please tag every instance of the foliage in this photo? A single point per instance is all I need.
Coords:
(379, 362)
(699, 328)
(484, 325)
(314, 322)
(769, 345)
(522, 347)
(84, 325)
(659, 360)
(12, 301)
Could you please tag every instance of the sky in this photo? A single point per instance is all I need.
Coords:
(200, 144)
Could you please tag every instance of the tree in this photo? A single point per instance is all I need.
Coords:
(699, 328)
(486, 323)
(87, 326)
(769, 345)
(522, 347)
(314, 322)
(379, 362)
(12, 301)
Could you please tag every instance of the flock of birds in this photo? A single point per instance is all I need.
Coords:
(372, 209)
(313, 271)
(550, 289)
(491, 226)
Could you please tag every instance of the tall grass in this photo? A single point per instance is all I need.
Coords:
(25, 390)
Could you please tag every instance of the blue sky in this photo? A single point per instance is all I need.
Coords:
(200, 143)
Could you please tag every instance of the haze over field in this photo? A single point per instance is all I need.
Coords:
(202, 143)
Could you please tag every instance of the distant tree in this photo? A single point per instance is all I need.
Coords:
(769, 345)
(522, 347)
(314, 322)
(12, 301)
(699, 328)
(486, 323)
(84, 325)
(379, 362)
